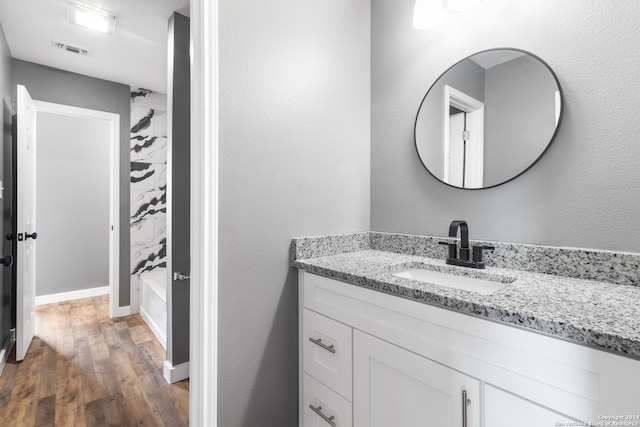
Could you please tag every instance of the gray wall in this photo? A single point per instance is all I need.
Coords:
(62, 87)
(6, 177)
(467, 77)
(178, 213)
(72, 198)
(584, 191)
(517, 131)
(294, 161)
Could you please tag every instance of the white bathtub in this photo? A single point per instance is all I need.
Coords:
(153, 302)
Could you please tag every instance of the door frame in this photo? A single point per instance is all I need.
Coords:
(203, 338)
(475, 124)
(114, 191)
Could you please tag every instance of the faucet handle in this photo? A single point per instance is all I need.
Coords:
(452, 252)
(477, 252)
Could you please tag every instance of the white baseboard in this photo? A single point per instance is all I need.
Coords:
(121, 311)
(173, 374)
(68, 296)
(6, 349)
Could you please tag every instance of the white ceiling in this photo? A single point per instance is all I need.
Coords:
(136, 54)
(495, 57)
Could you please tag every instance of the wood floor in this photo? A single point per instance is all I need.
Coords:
(85, 369)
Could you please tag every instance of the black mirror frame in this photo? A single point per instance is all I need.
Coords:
(553, 137)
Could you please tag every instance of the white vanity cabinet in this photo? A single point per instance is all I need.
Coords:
(395, 387)
(403, 363)
(502, 408)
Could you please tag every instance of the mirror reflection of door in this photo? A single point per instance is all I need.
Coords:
(512, 94)
(463, 139)
(457, 155)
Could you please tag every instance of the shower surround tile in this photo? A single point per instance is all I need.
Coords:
(148, 181)
(147, 258)
(143, 176)
(147, 204)
(143, 233)
(148, 135)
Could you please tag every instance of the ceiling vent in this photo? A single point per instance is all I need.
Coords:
(71, 48)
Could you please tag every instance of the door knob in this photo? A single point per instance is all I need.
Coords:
(180, 276)
(7, 261)
(33, 236)
(10, 236)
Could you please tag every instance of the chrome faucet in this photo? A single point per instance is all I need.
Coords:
(461, 256)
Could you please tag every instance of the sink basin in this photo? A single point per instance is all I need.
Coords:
(485, 286)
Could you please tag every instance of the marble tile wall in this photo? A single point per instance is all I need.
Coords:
(148, 182)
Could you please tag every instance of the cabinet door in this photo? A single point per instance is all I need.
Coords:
(502, 409)
(395, 387)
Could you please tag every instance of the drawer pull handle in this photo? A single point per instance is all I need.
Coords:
(319, 342)
(318, 410)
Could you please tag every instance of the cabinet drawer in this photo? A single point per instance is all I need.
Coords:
(329, 408)
(327, 351)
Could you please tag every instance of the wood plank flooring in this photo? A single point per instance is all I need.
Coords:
(85, 369)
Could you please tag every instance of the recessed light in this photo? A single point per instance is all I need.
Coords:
(91, 17)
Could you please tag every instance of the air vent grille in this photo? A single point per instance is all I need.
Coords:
(71, 48)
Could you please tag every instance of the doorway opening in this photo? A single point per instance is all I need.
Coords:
(86, 165)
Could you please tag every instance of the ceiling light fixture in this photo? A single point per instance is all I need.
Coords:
(427, 14)
(461, 5)
(91, 17)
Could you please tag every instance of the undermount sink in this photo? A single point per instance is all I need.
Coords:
(485, 286)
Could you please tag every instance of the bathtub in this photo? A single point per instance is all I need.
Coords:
(153, 302)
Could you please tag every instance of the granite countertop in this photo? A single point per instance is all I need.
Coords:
(596, 313)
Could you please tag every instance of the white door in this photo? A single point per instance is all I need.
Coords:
(456, 149)
(395, 387)
(26, 223)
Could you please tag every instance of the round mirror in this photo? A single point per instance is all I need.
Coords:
(488, 118)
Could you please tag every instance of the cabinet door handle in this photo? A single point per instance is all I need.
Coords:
(319, 342)
(465, 402)
(318, 410)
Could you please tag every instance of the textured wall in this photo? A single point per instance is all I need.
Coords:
(62, 87)
(148, 182)
(517, 131)
(72, 198)
(294, 161)
(584, 191)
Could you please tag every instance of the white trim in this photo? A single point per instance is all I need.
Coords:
(120, 311)
(71, 295)
(173, 374)
(114, 192)
(135, 285)
(6, 349)
(155, 328)
(203, 337)
(475, 122)
(558, 106)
